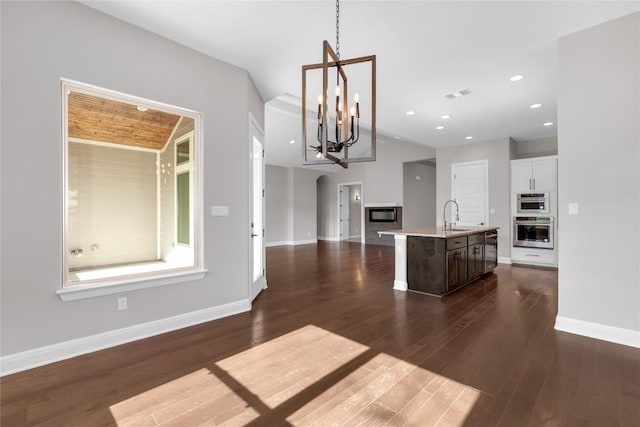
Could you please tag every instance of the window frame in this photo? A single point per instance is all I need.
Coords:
(91, 288)
(179, 169)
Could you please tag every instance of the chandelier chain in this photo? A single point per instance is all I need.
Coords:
(338, 28)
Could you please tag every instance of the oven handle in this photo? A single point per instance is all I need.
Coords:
(532, 222)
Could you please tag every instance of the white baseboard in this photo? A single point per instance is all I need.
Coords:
(292, 242)
(304, 242)
(598, 331)
(65, 350)
(283, 243)
(328, 238)
(504, 260)
(355, 237)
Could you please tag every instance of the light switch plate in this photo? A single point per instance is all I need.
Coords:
(219, 210)
(573, 209)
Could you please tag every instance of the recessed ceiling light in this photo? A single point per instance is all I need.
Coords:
(535, 106)
(439, 127)
(410, 113)
(516, 78)
(445, 117)
(548, 124)
(468, 137)
(141, 108)
(293, 141)
(457, 94)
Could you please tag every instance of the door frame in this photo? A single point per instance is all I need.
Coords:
(255, 287)
(337, 228)
(485, 163)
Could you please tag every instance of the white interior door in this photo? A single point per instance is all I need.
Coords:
(344, 212)
(257, 251)
(469, 187)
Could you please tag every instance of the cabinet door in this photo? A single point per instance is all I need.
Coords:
(475, 264)
(456, 268)
(544, 173)
(521, 177)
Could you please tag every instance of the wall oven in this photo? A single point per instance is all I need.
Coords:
(533, 232)
(533, 203)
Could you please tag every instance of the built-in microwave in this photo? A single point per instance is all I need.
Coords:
(533, 203)
(533, 232)
(383, 214)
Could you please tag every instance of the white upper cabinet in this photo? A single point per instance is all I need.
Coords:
(534, 175)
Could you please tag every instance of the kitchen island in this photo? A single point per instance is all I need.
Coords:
(437, 262)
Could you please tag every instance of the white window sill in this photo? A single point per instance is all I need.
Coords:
(125, 284)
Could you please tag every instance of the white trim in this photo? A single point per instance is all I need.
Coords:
(304, 242)
(112, 145)
(128, 283)
(355, 237)
(504, 260)
(329, 238)
(66, 87)
(255, 131)
(383, 205)
(295, 242)
(598, 331)
(283, 243)
(362, 206)
(400, 285)
(158, 206)
(17, 362)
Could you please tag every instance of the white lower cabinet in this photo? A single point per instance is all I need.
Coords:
(542, 257)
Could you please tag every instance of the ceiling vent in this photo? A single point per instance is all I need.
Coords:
(457, 94)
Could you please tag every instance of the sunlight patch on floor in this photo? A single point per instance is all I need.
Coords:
(308, 376)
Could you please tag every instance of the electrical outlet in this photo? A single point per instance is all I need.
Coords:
(122, 303)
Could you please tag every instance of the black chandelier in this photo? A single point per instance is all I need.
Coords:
(338, 126)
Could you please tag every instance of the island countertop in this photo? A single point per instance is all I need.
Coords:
(439, 233)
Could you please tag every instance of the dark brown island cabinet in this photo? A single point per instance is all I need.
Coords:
(440, 265)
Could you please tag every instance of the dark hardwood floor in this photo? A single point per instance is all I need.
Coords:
(330, 343)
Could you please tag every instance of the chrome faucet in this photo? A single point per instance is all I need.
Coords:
(444, 212)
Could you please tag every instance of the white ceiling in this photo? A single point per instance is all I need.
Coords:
(424, 50)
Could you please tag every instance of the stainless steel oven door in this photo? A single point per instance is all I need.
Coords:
(533, 232)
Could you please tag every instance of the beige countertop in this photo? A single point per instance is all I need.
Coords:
(437, 231)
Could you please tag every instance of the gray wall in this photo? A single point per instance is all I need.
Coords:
(383, 179)
(325, 205)
(497, 152)
(44, 41)
(536, 148)
(419, 195)
(277, 204)
(291, 204)
(599, 160)
(304, 204)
